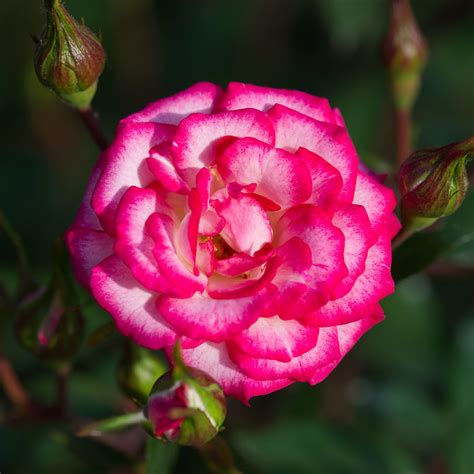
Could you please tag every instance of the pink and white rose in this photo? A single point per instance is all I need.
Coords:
(241, 223)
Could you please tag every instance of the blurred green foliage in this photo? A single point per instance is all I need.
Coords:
(403, 401)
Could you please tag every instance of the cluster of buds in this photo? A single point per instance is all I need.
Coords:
(404, 53)
(69, 58)
(433, 183)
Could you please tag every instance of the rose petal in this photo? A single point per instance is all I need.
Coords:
(274, 338)
(162, 167)
(180, 278)
(242, 96)
(87, 247)
(125, 166)
(214, 360)
(294, 130)
(132, 306)
(247, 227)
(373, 285)
(325, 241)
(213, 320)
(349, 334)
(279, 175)
(378, 200)
(354, 223)
(86, 217)
(198, 137)
(301, 368)
(200, 97)
(133, 244)
(326, 180)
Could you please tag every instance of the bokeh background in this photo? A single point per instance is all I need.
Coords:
(403, 401)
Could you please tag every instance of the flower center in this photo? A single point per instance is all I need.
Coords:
(221, 248)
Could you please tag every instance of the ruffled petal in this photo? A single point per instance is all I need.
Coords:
(162, 167)
(133, 244)
(86, 217)
(247, 228)
(87, 247)
(301, 368)
(200, 97)
(242, 96)
(213, 320)
(325, 241)
(354, 223)
(132, 306)
(294, 130)
(214, 360)
(280, 176)
(349, 334)
(125, 166)
(326, 180)
(180, 278)
(372, 286)
(274, 338)
(378, 200)
(198, 139)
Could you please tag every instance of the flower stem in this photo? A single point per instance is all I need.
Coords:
(91, 121)
(13, 387)
(62, 383)
(218, 456)
(403, 133)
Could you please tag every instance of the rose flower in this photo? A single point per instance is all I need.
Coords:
(242, 224)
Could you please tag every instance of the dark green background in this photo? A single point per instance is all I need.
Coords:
(403, 401)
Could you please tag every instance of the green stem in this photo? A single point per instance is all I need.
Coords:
(115, 423)
(218, 456)
(160, 457)
(403, 133)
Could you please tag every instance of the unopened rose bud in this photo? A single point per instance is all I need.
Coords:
(186, 406)
(69, 58)
(404, 53)
(138, 370)
(433, 183)
(49, 322)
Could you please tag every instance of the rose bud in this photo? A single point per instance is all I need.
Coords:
(404, 53)
(433, 183)
(186, 406)
(69, 58)
(49, 322)
(138, 370)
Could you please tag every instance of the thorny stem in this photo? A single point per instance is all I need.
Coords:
(91, 121)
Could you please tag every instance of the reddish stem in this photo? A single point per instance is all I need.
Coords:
(91, 121)
(12, 385)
